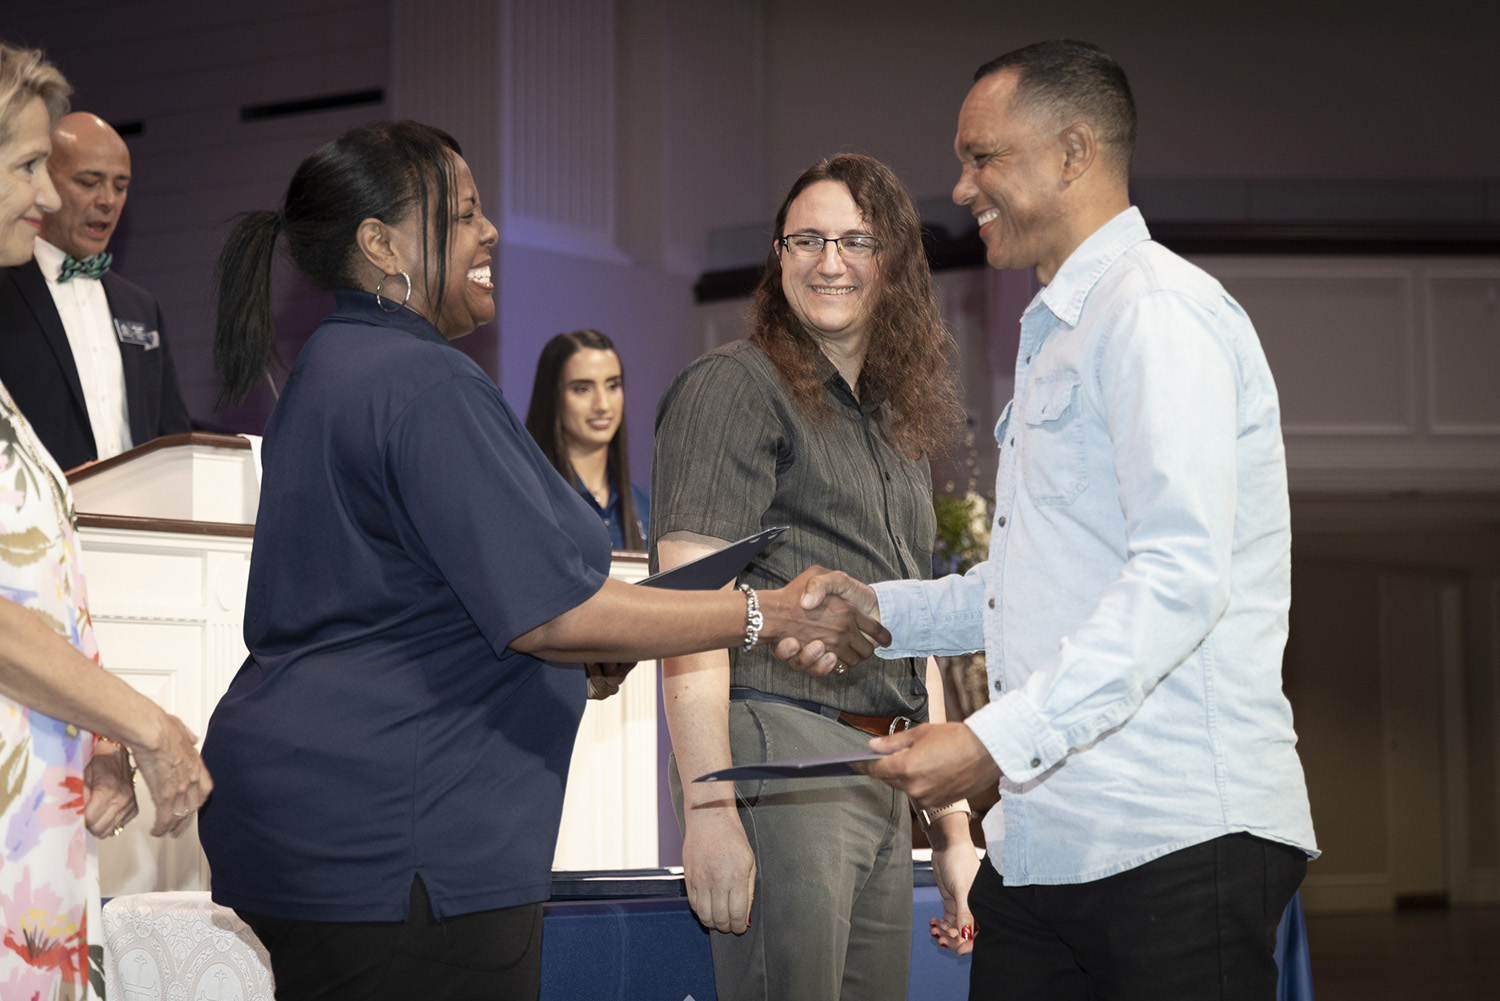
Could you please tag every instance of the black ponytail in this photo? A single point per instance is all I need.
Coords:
(385, 171)
(244, 336)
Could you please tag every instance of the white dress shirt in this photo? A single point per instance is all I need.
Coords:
(96, 350)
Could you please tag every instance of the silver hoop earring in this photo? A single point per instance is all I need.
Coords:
(403, 298)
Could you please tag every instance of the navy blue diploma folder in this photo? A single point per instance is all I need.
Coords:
(794, 768)
(711, 572)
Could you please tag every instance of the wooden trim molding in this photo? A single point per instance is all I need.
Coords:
(167, 441)
(176, 525)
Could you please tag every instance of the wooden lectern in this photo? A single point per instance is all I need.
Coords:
(166, 530)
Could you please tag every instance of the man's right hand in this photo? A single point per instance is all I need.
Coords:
(718, 868)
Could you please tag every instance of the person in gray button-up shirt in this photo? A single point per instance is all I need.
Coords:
(822, 421)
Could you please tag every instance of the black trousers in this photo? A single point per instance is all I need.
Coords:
(1196, 925)
(491, 955)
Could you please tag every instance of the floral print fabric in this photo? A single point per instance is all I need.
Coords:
(49, 876)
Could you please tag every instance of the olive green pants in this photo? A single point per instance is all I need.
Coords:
(833, 885)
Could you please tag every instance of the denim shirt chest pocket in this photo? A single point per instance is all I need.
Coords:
(1052, 458)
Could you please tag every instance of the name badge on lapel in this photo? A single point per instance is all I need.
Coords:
(131, 332)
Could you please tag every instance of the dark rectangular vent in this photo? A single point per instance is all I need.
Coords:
(281, 109)
(129, 128)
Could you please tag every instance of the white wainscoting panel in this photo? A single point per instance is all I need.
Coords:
(1341, 341)
(167, 609)
(1463, 349)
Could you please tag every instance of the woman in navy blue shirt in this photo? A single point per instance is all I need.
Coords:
(389, 762)
(577, 416)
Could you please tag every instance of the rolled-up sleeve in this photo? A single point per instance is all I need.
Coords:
(942, 617)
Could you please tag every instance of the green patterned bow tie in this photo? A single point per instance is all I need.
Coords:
(89, 267)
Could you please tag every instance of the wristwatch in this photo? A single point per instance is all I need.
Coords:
(926, 817)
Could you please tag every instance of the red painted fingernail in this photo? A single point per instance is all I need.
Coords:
(966, 933)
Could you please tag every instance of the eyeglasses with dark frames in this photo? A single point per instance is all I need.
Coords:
(809, 246)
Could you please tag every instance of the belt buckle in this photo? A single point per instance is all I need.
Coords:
(899, 723)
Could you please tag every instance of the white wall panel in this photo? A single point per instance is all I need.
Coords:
(1385, 365)
(557, 62)
(1340, 338)
(166, 609)
(712, 161)
(1463, 349)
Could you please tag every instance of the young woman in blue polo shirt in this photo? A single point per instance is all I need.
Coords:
(577, 416)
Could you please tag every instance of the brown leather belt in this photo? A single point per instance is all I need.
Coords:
(877, 726)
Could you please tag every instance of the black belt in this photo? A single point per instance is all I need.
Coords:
(877, 726)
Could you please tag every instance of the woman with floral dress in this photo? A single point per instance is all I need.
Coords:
(62, 781)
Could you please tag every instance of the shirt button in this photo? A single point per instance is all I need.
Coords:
(1001, 522)
(992, 602)
(1036, 762)
(999, 686)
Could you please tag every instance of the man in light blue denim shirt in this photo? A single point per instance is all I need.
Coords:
(1153, 820)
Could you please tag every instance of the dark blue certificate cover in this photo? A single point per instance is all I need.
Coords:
(793, 768)
(711, 572)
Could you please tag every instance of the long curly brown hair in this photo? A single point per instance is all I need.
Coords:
(907, 363)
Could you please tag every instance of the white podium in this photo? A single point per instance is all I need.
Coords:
(166, 531)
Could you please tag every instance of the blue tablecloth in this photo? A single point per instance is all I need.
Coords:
(625, 950)
(1291, 955)
(653, 948)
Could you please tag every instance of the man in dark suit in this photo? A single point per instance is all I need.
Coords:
(82, 350)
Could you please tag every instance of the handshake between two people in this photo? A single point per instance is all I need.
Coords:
(936, 763)
(812, 619)
(829, 598)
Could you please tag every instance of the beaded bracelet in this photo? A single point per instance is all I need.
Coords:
(129, 758)
(753, 619)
